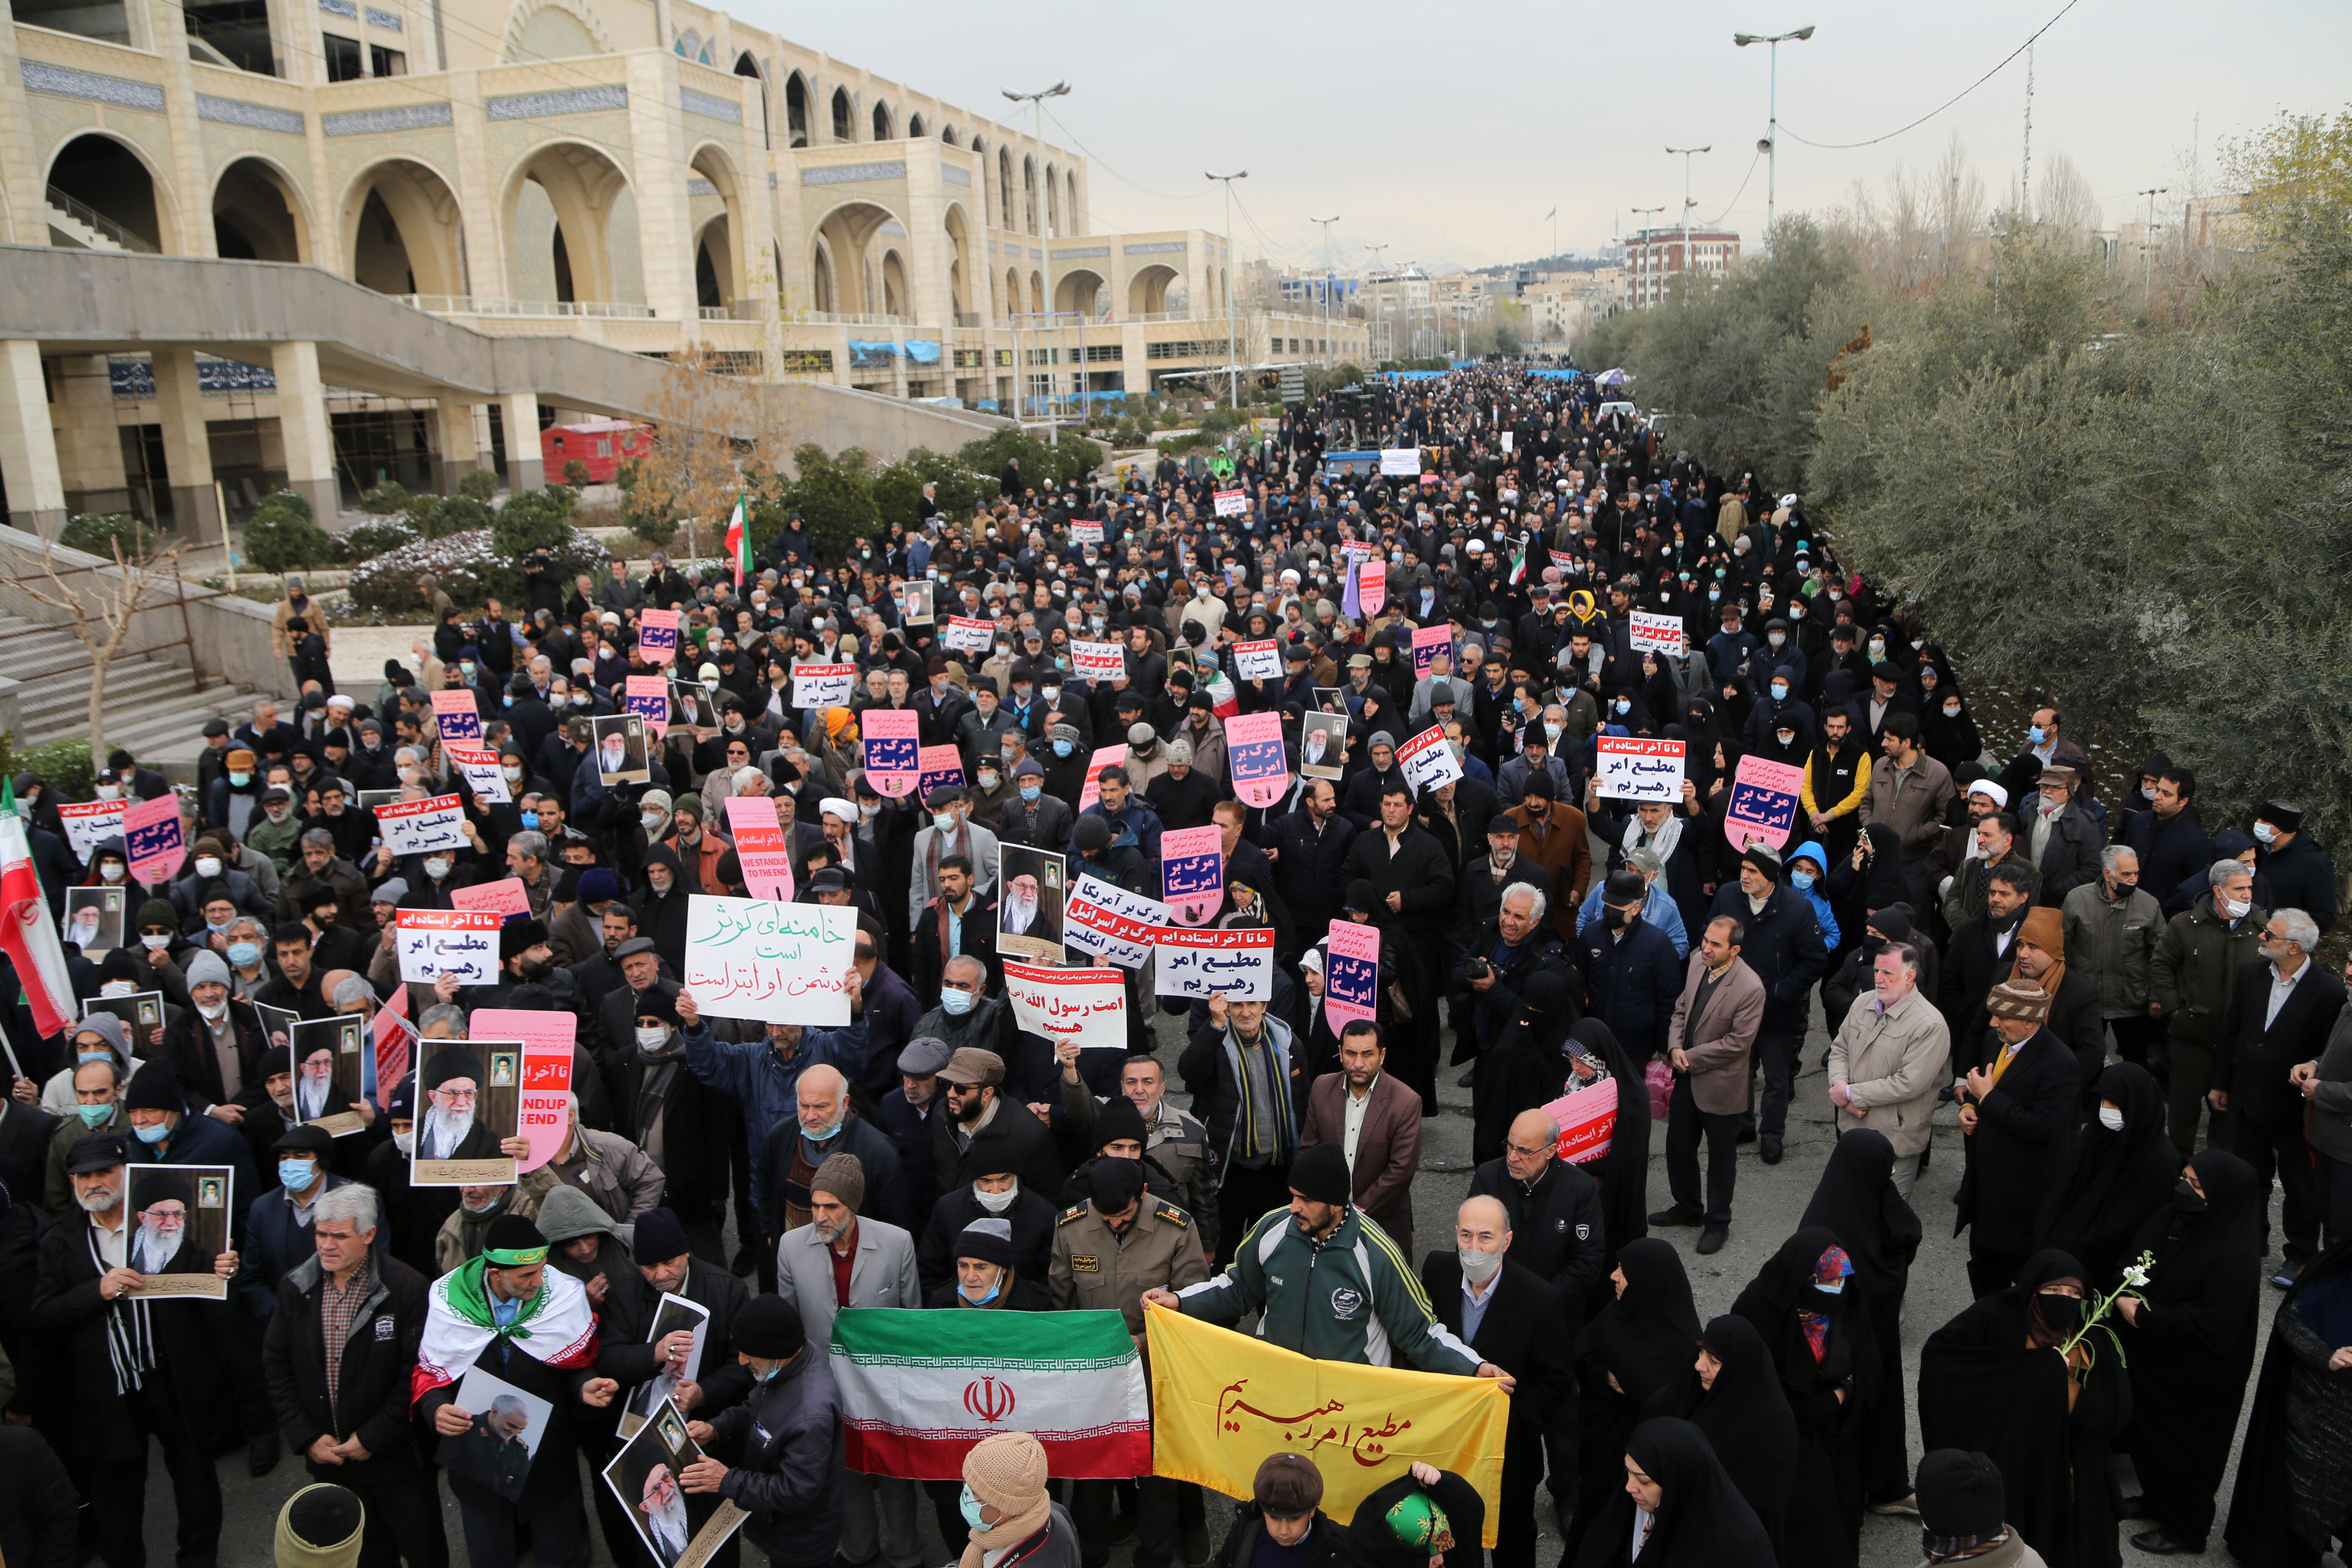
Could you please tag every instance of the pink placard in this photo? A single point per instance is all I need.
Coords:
(1104, 757)
(938, 767)
(547, 1040)
(761, 845)
(648, 697)
(658, 635)
(504, 897)
(1428, 642)
(1255, 757)
(1351, 973)
(1372, 585)
(152, 836)
(894, 745)
(1763, 803)
(1192, 873)
(456, 716)
(1587, 1120)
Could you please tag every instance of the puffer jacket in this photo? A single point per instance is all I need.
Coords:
(2197, 961)
(2115, 940)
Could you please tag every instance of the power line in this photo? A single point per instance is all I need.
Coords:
(1848, 146)
(1743, 186)
(1096, 162)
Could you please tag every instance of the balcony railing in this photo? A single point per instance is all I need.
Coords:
(89, 217)
(480, 305)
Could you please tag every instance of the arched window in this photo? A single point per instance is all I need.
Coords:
(845, 118)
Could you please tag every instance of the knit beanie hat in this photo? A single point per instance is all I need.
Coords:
(154, 1086)
(2019, 999)
(1006, 1471)
(1319, 1175)
(207, 966)
(1959, 1494)
(157, 912)
(987, 1240)
(844, 1177)
(1119, 1118)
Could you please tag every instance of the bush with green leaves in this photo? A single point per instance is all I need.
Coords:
(383, 498)
(576, 475)
(1072, 458)
(66, 766)
(898, 486)
(99, 535)
(480, 484)
(834, 497)
(437, 517)
(469, 567)
(377, 536)
(534, 518)
(284, 535)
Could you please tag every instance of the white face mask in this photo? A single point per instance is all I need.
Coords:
(155, 943)
(2111, 1116)
(117, 988)
(437, 867)
(208, 866)
(215, 1011)
(512, 773)
(997, 1202)
(1479, 1266)
(652, 821)
(406, 1143)
(651, 1039)
(110, 792)
(109, 872)
(2236, 910)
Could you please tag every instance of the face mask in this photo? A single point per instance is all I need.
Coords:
(1479, 1267)
(294, 1175)
(116, 988)
(1800, 880)
(512, 773)
(1951, 709)
(1624, 706)
(1776, 638)
(2060, 1312)
(153, 944)
(2111, 1116)
(944, 821)
(437, 867)
(710, 683)
(208, 866)
(111, 872)
(970, 1506)
(1061, 748)
(215, 1012)
(2263, 830)
(867, 812)
(2035, 735)
(651, 1039)
(1612, 917)
(824, 1135)
(406, 1141)
(2185, 1198)
(996, 1202)
(1780, 691)
(957, 1003)
(2234, 910)
(531, 821)
(154, 1134)
(1832, 1288)
(245, 954)
(1030, 792)
(652, 821)
(240, 780)
(1050, 693)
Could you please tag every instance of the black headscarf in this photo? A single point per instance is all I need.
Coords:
(1856, 1202)
(2117, 1183)
(2294, 1473)
(1702, 1521)
(1783, 1289)
(1650, 1333)
(1623, 1172)
(2205, 1282)
(1524, 1067)
(1745, 1417)
(1370, 1541)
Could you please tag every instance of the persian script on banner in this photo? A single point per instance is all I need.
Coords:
(1255, 758)
(1098, 660)
(777, 964)
(1764, 797)
(1236, 964)
(893, 748)
(1661, 633)
(823, 685)
(1635, 767)
(1587, 1120)
(647, 696)
(1427, 761)
(1109, 922)
(1088, 1005)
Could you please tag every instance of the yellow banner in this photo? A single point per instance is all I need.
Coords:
(1221, 1402)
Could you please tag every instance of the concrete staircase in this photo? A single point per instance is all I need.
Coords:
(152, 707)
(80, 233)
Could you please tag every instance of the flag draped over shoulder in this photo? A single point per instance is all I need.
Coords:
(556, 1326)
(1222, 1402)
(919, 1388)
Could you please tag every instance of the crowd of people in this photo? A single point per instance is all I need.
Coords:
(2120, 993)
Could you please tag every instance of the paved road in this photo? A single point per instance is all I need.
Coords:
(1768, 1204)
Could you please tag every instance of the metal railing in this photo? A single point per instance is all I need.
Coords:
(836, 318)
(89, 217)
(969, 319)
(479, 305)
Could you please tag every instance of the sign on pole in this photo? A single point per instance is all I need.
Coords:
(1763, 803)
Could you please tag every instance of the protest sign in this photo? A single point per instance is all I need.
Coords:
(1428, 642)
(1254, 758)
(677, 1528)
(1661, 633)
(823, 685)
(1427, 761)
(1107, 921)
(694, 706)
(544, 1117)
(1192, 873)
(456, 717)
(1372, 585)
(1098, 660)
(396, 1044)
(1405, 460)
(658, 635)
(1030, 886)
(178, 1228)
(1634, 767)
(1236, 964)
(1322, 745)
(761, 845)
(1561, 559)
(151, 839)
(505, 897)
(674, 1315)
(619, 745)
(647, 696)
(93, 918)
(1085, 531)
(469, 1104)
(479, 767)
(419, 827)
(1088, 1005)
(1351, 973)
(777, 964)
(969, 634)
(1232, 503)
(91, 823)
(326, 1057)
(1260, 661)
(938, 767)
(1587, 1120)
(496, 1452)
(914, 605)
(1763, 802)
(1091, 794)
(893, 748)
(433, 943)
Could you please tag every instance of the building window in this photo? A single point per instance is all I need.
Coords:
(803, 361)
(1099, 354)
(1004, 356)
(970, 359)
(343, 59)
(387, 62)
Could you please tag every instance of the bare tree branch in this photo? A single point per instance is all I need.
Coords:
(101, 634)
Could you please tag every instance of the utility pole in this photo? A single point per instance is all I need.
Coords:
(1327, 275)
(1378, 311)
(1232, 335)
(1686, 154)
(2025, 168)
(1036, 102)
(1649, 261)
(2148, 245)
(1771, 145)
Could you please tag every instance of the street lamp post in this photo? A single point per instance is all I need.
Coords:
(1649, 261)
(1036, 102)
(1771, 145)
(2148, 245)
(1233, 359)
(1686, 154)
(1378, 307)
(1327, 223)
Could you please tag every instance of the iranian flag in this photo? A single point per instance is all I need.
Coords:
(918, 1389)
(28, 935)
(738, 543)
(1222, 693)
(1519, 562)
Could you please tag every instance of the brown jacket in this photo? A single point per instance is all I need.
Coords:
(1912, 804)
(1893, 1064)
(1719, 1046)
(1565, 851)
(1388, 1148)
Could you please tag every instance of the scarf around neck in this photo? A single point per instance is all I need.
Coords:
(556, 1326)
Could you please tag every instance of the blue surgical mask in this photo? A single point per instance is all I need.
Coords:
(155, 1133)
(2036, 735)
(956, 1002)
(944, 821)
(95, 1116)
(1780, 691)
(508, 701)
(239, 781)
(1031, 792)
(531, 821)
(294, 1175)
(245, 954)
(967, 1502)
(1623, 706)
(826, 1136)
(82, 1058)
(1061, 748)
(1800, 880)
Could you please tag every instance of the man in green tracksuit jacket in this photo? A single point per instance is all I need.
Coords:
(1330, 1283)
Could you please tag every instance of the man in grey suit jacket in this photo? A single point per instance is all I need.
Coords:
(1424, 692)
(877, 1511)
(1713, 1030)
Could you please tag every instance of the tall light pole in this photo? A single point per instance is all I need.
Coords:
(1686, 154)
(1232, 358)
(2147, 244)
(1649, 261)
(1771, 145)
(1327, 223)
(1036, 102)
(1377, 297)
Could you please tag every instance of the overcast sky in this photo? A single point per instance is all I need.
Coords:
(1449, 131)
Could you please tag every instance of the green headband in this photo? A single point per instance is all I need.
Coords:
(1416, 1520)
(515, 1256)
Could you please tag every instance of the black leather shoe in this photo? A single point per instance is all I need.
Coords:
(1768, 1150)
(2137, 1507)
(1674, 1216)
(2157, 1543)
(261, 1455)
(1747, 1135)
(1711, 1239)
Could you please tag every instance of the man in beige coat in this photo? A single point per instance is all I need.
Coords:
(1714, 1031)
(1888, 1059)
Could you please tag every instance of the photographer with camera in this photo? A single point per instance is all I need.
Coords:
(1508, 952)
